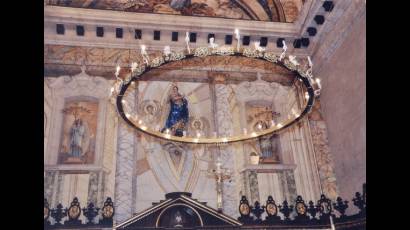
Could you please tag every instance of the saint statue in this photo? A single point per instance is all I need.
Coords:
(178, 113)
(268, 143)
(77, 138)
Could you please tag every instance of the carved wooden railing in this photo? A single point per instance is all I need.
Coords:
(77, 217)
(301, 215)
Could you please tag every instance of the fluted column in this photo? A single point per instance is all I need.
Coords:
(225, 128)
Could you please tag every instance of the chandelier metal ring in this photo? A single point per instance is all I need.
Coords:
(304, 76)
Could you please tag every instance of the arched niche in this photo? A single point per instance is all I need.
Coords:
(66, 89)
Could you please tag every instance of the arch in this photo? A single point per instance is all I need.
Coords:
(178, 204)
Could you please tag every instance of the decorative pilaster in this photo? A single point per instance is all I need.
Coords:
(324, 160)
(124, 188)
(225, 128)
(49, 181)
(93, 188)
(254, 186)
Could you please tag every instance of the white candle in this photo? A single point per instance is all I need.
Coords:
(282, 55)
(237, 33)
(167, 50)
(285, 47)
(134, 66)
(238, 37)
(117, 70)
(187, 42)
(310, 62)
(143, 52)
(318, 83)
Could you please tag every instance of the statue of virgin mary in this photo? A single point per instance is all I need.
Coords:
(178, 113)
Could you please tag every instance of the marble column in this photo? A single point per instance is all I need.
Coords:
(225, 128)
(124, 181)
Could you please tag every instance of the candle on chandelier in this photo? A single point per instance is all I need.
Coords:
(143, 51)
(117, 70)
(245, 131)
(187, 41)
(310, 62)
(238, 37)
(282, 55)
(167, 50)
(318, 83)
(280, 125)
(198, 134)
(134, 66)
(285, 47)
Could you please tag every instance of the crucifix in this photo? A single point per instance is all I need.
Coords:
(220, 175)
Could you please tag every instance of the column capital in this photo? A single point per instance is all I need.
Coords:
(217, 77)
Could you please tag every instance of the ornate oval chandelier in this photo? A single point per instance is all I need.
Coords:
(302, 73)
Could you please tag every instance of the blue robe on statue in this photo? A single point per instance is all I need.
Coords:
(177, 113)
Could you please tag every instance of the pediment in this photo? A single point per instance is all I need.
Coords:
(178, 209)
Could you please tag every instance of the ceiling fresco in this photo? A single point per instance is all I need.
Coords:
(263, 10)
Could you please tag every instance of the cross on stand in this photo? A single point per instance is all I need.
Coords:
(219, 174)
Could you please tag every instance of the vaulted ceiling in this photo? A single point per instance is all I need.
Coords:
(264, 10)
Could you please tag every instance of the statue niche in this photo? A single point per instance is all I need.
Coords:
(262, 118)
(79, 131)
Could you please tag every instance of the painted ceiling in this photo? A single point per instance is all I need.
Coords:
(264, 10)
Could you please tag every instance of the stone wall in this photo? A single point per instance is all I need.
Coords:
(343, 102)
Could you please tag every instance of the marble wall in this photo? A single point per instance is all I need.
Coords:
(66, 180)
(138, 170)
(343, 103)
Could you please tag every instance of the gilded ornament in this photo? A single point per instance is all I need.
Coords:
(158, 61)
(202, 52)
(270, 57)
(176, 56)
